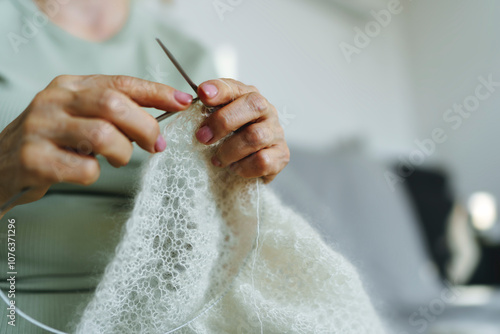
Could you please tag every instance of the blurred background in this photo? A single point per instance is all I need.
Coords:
(391, 112)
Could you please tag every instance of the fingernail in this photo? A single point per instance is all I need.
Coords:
(183, 98)
(204, 135)
(216, 162)
(209, 90)
(160, 144)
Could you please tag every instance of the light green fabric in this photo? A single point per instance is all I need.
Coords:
(64, 240)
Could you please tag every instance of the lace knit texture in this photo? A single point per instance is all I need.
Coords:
(210, 252)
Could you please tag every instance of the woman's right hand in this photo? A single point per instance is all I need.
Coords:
(76, 117)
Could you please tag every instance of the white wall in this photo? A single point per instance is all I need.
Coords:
(451, 43)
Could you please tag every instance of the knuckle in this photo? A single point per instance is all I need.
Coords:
(122, 81)
(230, 83)
(99, 135)
(41, 99)
(53, 97)
(263, 162)
(253, 88)
(256, 136)
(243, 172)
(239, 87)
(256, 101)
(28, 157)
(109, 101)
(31, 159)
(99, 142)
(96, 135)
(151, 89)
(59, 80)
(31, 125)
(223, 155)
(222, 121)
(66, 81)
(102, 127)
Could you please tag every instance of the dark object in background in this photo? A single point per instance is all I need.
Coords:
(432, 200)
(488, 269)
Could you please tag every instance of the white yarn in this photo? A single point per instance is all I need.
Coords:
(191, 230)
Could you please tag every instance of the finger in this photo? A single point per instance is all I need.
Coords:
(265, 163)
(222, 91)
(120, 111)
(94, 136)
(45, 163)
(245, 142)
(145, 93)
(248, 108)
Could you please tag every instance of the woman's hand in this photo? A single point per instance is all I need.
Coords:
(56, 138)
(258, 147)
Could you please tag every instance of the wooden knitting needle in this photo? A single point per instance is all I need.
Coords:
(182, 72)
(178, 66)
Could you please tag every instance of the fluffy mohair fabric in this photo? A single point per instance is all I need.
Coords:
(206, 251)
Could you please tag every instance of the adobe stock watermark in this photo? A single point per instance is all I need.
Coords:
(424, 316)
(11, 272)
(222, 7)
(363, 37)
(285, 117)
(32, 25)
(454, 118)
(156, 74)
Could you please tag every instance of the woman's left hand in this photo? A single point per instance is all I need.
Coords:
(258, 147)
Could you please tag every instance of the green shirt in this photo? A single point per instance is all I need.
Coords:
(64, 240)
